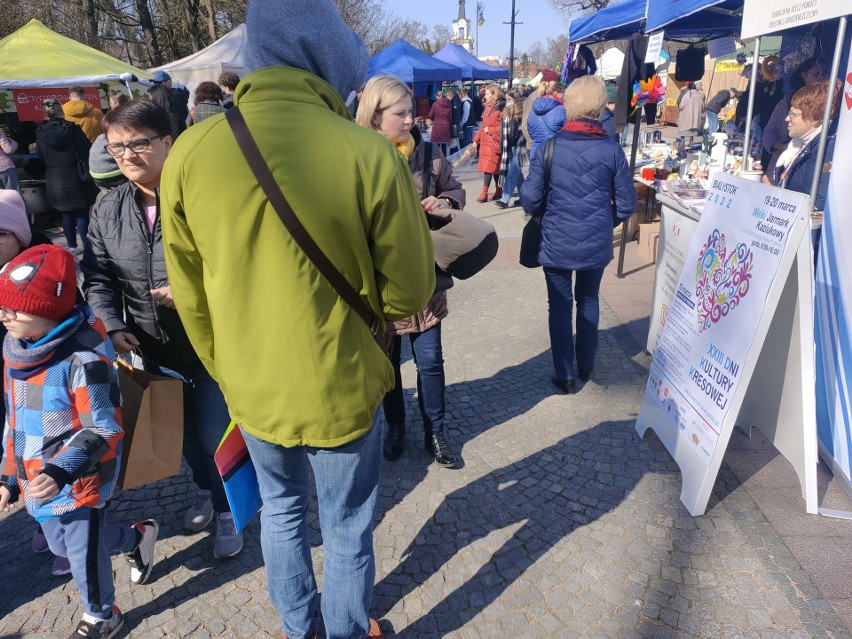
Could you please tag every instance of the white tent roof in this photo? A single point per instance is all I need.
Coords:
(228, 53)
(610, 63)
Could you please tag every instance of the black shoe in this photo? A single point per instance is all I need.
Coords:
(567, 386)
(394, 442)
(585, 374)
(501, 204)
(516, 202)
(440, 449)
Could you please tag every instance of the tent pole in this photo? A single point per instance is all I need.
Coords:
(826, 115)
(634, 149)
(752, 90)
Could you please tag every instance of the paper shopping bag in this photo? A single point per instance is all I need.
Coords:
(239, 476)
(152, 411)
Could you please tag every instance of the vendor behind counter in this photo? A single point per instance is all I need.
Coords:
(797, 164)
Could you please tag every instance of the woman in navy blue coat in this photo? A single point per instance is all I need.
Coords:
(590, 192)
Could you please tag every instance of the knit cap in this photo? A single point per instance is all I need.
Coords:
(13, 216)
(41, 281)
(103, 167)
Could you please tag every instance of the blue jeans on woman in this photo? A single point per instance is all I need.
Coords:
(347, 484)
(431, 382)
(206, 417)
(561, 302)
(514, 177)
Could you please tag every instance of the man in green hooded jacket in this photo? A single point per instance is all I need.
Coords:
(300, 370)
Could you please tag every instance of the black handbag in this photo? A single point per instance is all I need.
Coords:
(531, 237)
(300, 234)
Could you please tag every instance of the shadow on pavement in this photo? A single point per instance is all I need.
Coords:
(551, 494)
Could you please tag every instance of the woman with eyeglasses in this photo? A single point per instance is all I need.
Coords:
(797, 164)
(127, 286)
(64, 149)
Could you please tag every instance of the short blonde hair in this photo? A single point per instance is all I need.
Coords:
(379, 94)
(551, 87)
(585, 97)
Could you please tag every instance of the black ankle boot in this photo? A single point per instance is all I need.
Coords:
(585, 374)
(567, 386)
(441, 450)
(394, 442)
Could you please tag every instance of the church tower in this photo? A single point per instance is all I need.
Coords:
(461, 30)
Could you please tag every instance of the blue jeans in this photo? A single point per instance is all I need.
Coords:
(88, 540)
(206, 417)
(712, 122)
(347, 483)
(514, 178)
(561, 301)
(431, 382)
(74, 222)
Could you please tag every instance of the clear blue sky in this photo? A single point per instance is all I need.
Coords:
(540, 20)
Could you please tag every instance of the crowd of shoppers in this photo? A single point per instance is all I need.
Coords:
(166, 259)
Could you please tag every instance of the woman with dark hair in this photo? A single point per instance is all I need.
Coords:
(441, 115)
(64, 149)
(775, 135)
(208, 102)
(127, 286)
(512, 140)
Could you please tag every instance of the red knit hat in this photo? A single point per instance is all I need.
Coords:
(41, 281)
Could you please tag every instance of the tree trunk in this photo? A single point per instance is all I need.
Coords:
(148, 29)
(91, 23)
(210, 19)
(190, 12)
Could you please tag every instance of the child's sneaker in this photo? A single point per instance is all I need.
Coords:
(142, 558)
(61, 566)
(94, 628)
(40, 541)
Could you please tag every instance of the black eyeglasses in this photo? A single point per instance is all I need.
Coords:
(139, 145)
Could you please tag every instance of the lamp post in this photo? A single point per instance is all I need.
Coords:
(480, 20)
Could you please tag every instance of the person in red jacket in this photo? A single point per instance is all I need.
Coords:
(488, 139)
(441, 115)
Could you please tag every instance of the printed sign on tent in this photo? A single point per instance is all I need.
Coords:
(28, 101)
(768, 16)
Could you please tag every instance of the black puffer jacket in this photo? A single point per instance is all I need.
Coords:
(122, 266)
(61, 144)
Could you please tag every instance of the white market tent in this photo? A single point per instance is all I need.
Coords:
(610, 63)
(228, 53)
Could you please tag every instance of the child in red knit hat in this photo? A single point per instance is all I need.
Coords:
(61, 390)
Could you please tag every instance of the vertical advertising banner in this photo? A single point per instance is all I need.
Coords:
(721, 297)
(833, 308)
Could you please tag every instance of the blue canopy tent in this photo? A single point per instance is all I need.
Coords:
(695, 18)
(613, 23)
(409, 64)
(472, 67)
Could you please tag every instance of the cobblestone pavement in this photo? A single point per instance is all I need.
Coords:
(560, 522)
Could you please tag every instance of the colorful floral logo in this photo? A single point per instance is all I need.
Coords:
(721, 280)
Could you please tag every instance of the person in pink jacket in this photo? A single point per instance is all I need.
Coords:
(8, 173)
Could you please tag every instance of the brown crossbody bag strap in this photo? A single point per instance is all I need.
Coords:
(288, 218)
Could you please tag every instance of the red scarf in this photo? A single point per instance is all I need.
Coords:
(588, 127)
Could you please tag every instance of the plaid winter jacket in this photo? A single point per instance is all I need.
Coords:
(63, 415)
